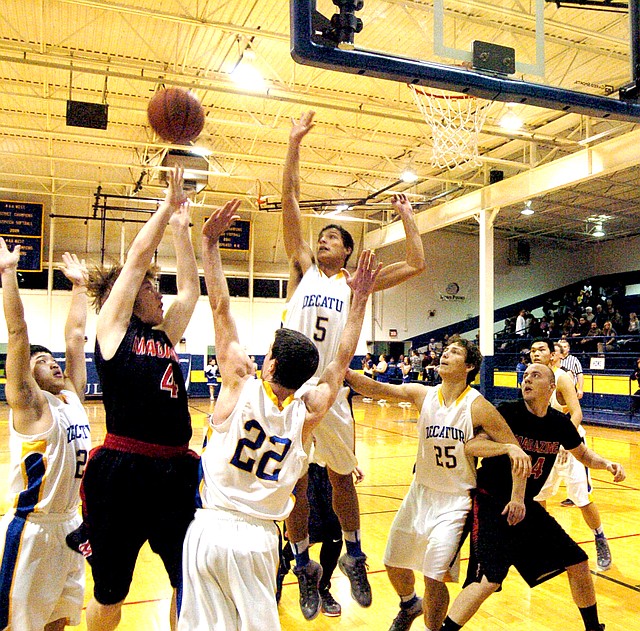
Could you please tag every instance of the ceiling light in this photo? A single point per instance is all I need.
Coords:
(598, 231)
(527, 210)
(510, 120)
(246, 76)
(342, 207)
(200, 151)
(409, 176)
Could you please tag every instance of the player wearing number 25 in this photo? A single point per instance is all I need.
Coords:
(255, 453)
(425, 534)
(41, 579)
(140, 484)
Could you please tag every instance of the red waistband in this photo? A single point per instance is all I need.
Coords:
(133, 446)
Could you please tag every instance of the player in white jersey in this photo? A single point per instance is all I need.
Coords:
(566, 467)
(255, 454)
(426, 533)
(41, 579)
(318, 306)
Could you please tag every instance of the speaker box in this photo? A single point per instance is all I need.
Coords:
(519, 252)
(90, 115)
(495, 176)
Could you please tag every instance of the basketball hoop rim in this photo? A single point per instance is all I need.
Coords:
(432, 95)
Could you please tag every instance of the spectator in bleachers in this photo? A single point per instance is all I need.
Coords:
(608, 341)
(589, 343)
(521, 324)
(543, 325)
(633, 329)
(569, 326)
(521, 366)
(405, 368)
(583, 328)
(617, 321)
(367, 366)
(392, 369)
(600, 316)
(416, 364)
(552, 332)
(589, 316)
(431, 376)
(381, 370)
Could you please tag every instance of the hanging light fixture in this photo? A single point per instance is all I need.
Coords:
(527, 210)
(409, 176)
(598, 230)
(246, 75)
(510, 121)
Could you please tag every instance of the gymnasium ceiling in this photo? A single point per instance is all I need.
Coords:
(367, 130)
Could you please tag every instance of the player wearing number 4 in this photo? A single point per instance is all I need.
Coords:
(318, 305)
(426, 532)
(41, 579)
(255, 453)
(140, 484)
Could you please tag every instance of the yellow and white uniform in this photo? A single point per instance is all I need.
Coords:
(41, 579)
(426, 532)
(575, 475)
(250, 466)
(319, 309)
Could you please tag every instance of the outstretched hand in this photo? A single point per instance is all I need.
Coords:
(301, 127)
(75, 269)
(221, 219)
(8, 260)
(175, 195)
(402, 204)
(365, 275)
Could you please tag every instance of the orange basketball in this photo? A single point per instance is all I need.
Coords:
(176, 115)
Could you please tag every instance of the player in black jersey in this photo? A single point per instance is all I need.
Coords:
(537, 546)
(140, 484)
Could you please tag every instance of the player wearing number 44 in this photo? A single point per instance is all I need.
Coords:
(140, 484)
(41, 580)
(255, 453)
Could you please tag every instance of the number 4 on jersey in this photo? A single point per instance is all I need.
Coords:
(168, 382)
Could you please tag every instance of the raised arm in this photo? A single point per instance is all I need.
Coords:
(22, 392)
(319, 399)
(116, 312)
(75, 370)
(298, 250)
(565, 387)
(233, 362)
(414, 262)
(179, 313)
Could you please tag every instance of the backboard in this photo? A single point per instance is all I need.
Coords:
(559, 55)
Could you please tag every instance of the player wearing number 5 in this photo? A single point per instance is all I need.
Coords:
(255, 453)
(318, 305)
(140, 484)
(425, 534)
(41, 580)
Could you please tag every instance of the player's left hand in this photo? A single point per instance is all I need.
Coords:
(515, 512)
(175, 195)
(365, 275)
(617, 471)
(402, 204)
(75, 269)
(220, 220)
(358, 475)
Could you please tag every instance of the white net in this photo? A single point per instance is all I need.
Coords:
(455, 123)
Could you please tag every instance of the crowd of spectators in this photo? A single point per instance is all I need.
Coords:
(596, 322)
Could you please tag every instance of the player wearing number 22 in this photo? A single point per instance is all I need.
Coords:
(255, 453)
(41, 580)
(140, 484)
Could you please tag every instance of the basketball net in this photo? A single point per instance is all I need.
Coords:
(455, 121)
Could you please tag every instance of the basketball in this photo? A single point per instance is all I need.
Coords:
(176, 115)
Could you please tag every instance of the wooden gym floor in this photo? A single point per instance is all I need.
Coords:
(386, 447)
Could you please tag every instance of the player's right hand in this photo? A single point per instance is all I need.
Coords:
(520, 462)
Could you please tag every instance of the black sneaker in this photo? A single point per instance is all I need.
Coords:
(567, 502)
(405, 617)
(309, 576)
(355, 569)
(329, 605)
(78, 541)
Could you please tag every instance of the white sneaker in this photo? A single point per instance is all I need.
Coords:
(367, 399)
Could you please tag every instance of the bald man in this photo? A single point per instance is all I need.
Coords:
(537, 546)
